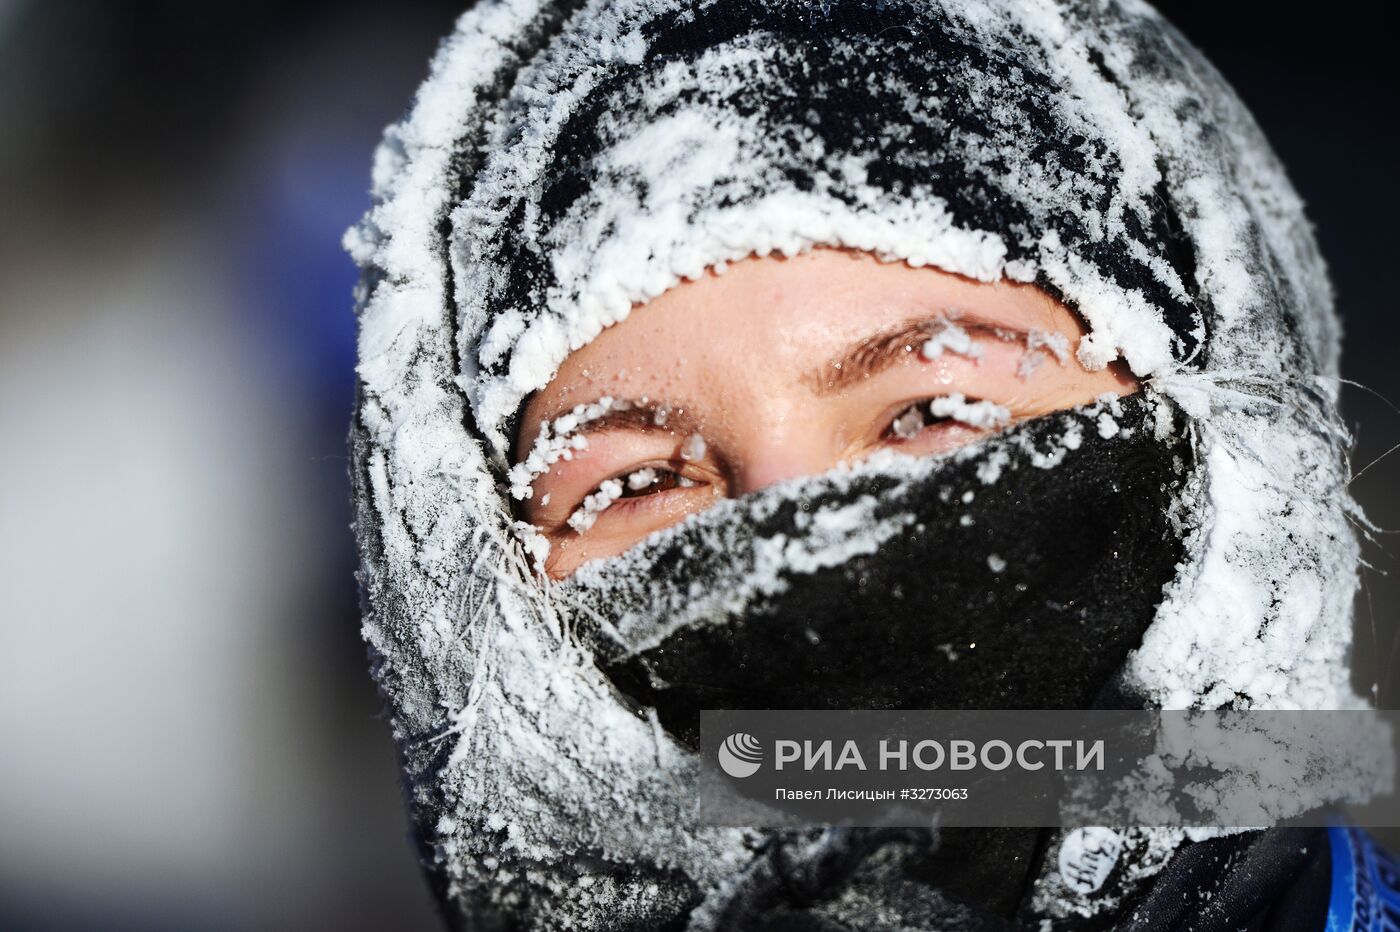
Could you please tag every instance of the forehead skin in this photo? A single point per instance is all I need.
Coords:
(769, 317)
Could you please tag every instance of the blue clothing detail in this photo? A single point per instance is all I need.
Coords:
(1365, 884)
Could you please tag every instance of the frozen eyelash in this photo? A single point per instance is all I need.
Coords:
(557, 440)
(610, 490)
(951, 338)
(640, 479)
(955, 406)
(908, 424)
(1039, 345)
(980, 414)
(984, 414)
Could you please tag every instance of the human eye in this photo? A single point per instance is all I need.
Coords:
(635, 490)
(908, 424)
(941, 422)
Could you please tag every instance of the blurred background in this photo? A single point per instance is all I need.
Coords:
(189, 738)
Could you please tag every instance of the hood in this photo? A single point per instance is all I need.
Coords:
(566, 162)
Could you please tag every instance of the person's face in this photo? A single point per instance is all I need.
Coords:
(788, 367)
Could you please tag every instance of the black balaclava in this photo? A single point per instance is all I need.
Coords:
(1188, 546)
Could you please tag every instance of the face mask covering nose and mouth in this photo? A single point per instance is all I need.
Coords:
(1189, 546)
(1015, 574)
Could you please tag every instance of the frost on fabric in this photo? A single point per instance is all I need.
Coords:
(656, 214)
(484, 268)
(1256, 769)
(1251, 623)
(832, 536)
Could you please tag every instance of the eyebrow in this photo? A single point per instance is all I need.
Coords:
(871, 355)
(642, 416)
(863, 359)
